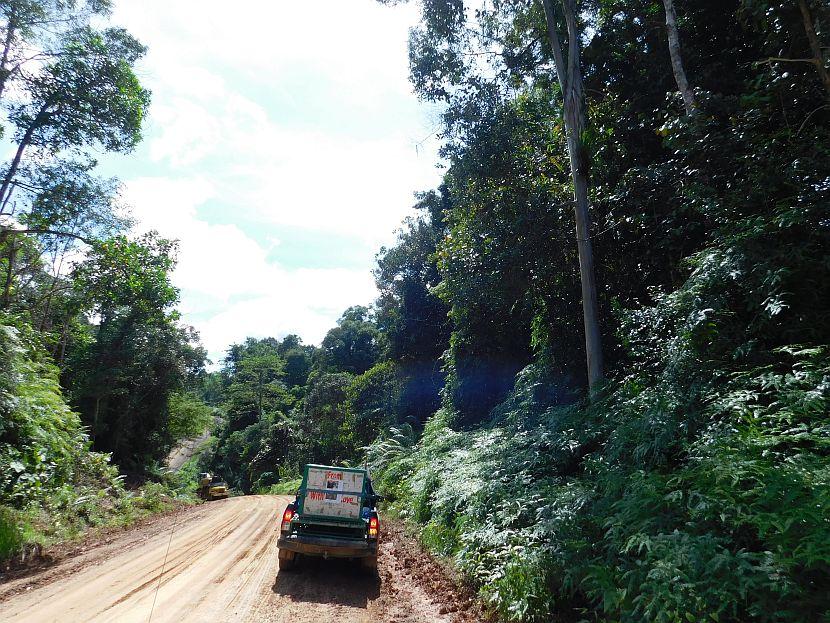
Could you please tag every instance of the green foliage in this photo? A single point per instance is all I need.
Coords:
(410, 315)
(371, 398)
(52, 486)
(96, 320)
(547, 515)
(284, 487)
(188, 416)
(40, 438)
(66, 196)
(694, 486)
(523, 590)
(252, 395)
(256, 389)
(88, 96)
(10, 537)
(319, 423)
(286, 404)
(352, 346)
(122, 376)
(124, 273)
(297, 362)
(186, 478)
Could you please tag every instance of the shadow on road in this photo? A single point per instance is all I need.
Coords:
(335, 581)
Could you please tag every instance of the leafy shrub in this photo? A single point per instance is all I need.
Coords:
(10, 536)
(562, 509)
(285, 487)
(52, 486)
(523, 592)
(188, 416)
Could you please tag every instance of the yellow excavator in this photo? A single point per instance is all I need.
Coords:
(212, 487)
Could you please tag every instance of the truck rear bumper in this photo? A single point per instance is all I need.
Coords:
(328, 548)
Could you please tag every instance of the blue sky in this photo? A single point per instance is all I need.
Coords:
(282, 149)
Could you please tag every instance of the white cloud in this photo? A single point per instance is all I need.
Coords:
(304, 302)
(222, 267)
(295, 176)
(319, 62)
(280, 116)
(339, 38)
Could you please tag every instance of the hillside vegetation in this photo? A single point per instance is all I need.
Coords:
(96, 371)
(693, 484)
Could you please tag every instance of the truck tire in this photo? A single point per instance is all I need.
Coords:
(286, 560)
(370, 563)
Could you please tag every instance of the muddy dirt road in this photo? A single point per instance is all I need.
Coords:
(221, 566)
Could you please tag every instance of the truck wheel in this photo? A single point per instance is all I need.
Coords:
(286, 560)
(370, 563)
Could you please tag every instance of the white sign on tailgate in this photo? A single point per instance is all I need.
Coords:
(331, 503)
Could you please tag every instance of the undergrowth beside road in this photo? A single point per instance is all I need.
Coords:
(53, 487)
(284, 487)
(667, 499)
(55, 520)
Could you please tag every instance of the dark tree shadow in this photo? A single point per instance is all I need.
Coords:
(333, 581)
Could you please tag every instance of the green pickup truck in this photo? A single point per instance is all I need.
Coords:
(334, 516)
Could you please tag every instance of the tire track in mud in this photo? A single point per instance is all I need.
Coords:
(183, 560)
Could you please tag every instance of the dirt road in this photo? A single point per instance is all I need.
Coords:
(220, 566)
(185, 450)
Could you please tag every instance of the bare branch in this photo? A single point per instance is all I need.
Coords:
(777, 59)
(808, 117)
(7, 233)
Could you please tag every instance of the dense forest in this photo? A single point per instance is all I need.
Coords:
(95, 366)
(687, 478)
(597, 375)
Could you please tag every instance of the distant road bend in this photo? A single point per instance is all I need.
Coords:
(221, 567)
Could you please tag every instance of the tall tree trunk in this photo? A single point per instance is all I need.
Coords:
(570, 80)
(5, 189)
(56, 273)
(7, 286)
(95, 414)
(677, 58)
(60, 355)
(815, 45)
(11, 27)
(39, 121)
(259, 394)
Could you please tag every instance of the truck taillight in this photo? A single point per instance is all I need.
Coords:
(287, 516)
(373, 527)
